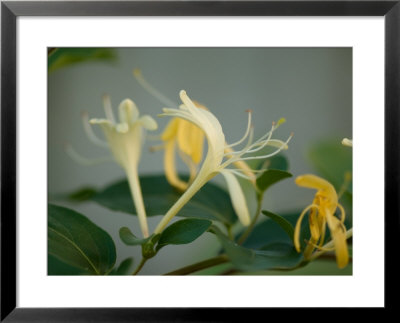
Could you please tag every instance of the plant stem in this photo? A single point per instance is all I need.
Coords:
(136, 191)
(140, 266)
(179, 204)
(250, 228)
(200, 265)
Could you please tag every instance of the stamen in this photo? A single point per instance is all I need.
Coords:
(235, 156)
(271, 154)
(151, 90)
(89, 131)
(268, 134)
(108, 108)
(246, 132)
(262, 144)
(235, 171)
(83, 160)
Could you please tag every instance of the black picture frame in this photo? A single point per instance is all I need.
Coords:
(10, 10)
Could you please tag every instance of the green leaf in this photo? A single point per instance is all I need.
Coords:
(282, 222)
(83, 194)
(273, 256)
(78, 242)
(270, 177)
(279, 162)
(183, 232)
(56, 267)
(125, 268)
(268, 232)
(129, 238)
(211, 202)
(332, 160)
(61, 57)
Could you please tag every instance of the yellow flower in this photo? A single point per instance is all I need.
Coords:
(125, 142)
(322, 213)
(214, 162)
(188, 140)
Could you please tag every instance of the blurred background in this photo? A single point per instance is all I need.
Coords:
(310, 87)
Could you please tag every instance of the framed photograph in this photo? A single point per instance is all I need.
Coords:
(164, 158)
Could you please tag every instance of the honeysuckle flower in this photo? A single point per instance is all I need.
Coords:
(125, 142)
(214, 162)
(322, 213)
(185, 138)
(347, 142)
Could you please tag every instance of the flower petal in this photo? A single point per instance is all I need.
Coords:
(296, 236)
(148, 122)
(122, 127)
(237, 197)
(325, 188)
(313, 223)
(171, 129)
(101, 121)
(128, 112)
(190, 140)
(338, 234)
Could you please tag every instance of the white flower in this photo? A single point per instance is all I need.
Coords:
(125, 142)
(347, 142)
(214, 162)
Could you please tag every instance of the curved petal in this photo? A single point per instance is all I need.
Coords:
(314, 227)
(122, 127)
(148, 122)
(339, 239)
(101, 122)
(237, 197)
(108, 108)
(325, 188)
(296, 236)
(171, 129)
(128, 111)
(190, 140)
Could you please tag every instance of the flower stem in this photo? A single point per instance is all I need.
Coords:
(200, 265)
(140, 266)
(134, 184)
(185, 197)
(250, 228)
